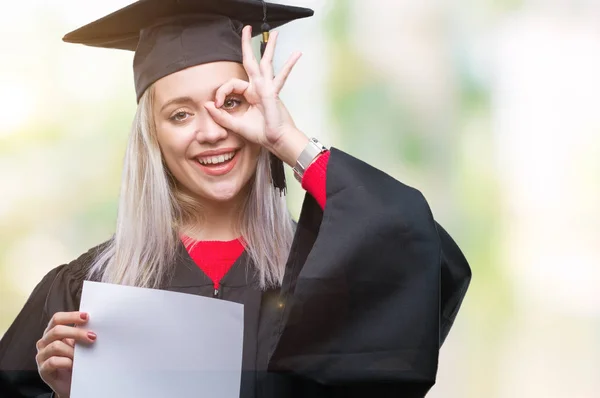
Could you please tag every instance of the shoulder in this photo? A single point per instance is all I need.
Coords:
(80, 267)
(62, 286)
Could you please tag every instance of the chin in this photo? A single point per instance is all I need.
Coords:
(222, 193)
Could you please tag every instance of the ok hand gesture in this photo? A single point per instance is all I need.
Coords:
(266, 120)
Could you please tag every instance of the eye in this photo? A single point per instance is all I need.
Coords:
(231, 103)
(180, 116)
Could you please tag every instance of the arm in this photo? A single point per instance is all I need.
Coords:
(454, 277)
(371, 289)
(19, 376)
(361, 292)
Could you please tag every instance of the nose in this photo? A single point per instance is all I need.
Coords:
(208, 130)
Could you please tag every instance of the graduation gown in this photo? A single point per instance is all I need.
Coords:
(371, 288)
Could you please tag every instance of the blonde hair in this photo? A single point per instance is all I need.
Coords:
(151, 210)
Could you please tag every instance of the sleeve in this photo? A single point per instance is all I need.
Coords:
(18, 371)
(455, 278)
(371, 289)
(314, 180)
(59, 290)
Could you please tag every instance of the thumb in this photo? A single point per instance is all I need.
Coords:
(222, 117)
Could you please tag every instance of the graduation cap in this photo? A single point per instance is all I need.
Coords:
(170, 35)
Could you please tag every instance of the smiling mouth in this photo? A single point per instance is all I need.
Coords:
(218, 160)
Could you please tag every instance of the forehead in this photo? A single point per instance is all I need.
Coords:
(198, 82)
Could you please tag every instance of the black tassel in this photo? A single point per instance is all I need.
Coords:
(277, 169)
(278, 174)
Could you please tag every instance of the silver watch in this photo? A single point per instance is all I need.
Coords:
(313, 149)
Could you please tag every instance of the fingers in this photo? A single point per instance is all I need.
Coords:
(281, 78)
(265, 68)
(249, 61)
(223, 118)
(57, 329)
(60, 332)
(233, 86)
(266, 62)
(57, 348)
(55, 363)
(67, 318)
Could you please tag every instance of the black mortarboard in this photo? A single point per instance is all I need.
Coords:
(170, 35)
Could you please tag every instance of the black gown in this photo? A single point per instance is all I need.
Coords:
(371, 288)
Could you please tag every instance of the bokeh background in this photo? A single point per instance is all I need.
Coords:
(490, 107)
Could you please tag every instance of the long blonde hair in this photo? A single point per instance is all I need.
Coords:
(151, 210)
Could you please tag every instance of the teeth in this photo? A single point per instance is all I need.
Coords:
(216, 159)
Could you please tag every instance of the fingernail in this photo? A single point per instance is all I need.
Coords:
(83, 315)
(92, 336)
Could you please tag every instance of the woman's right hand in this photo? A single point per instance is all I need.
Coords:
(55, 349)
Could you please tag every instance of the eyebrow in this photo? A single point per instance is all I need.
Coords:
(178, 100)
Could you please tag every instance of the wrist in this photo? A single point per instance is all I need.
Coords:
(290, 146)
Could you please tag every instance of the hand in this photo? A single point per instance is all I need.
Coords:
(55, 350)
(266, 121)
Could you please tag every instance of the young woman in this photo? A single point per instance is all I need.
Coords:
(353, 300)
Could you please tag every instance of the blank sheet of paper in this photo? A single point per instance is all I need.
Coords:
(156, 343)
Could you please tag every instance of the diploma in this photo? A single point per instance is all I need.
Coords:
(157, 343)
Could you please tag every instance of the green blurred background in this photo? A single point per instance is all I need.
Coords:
(489, 107)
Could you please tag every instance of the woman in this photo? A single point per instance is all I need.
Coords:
(354, 300)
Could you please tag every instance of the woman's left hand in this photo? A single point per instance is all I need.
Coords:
(266, 121)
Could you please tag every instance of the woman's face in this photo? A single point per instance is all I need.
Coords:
(211, 163)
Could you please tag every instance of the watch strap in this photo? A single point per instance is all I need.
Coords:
(313, 149)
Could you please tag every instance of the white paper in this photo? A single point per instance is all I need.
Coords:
(156, 343)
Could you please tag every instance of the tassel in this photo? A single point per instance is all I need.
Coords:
(278, 174)
(277, 168)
